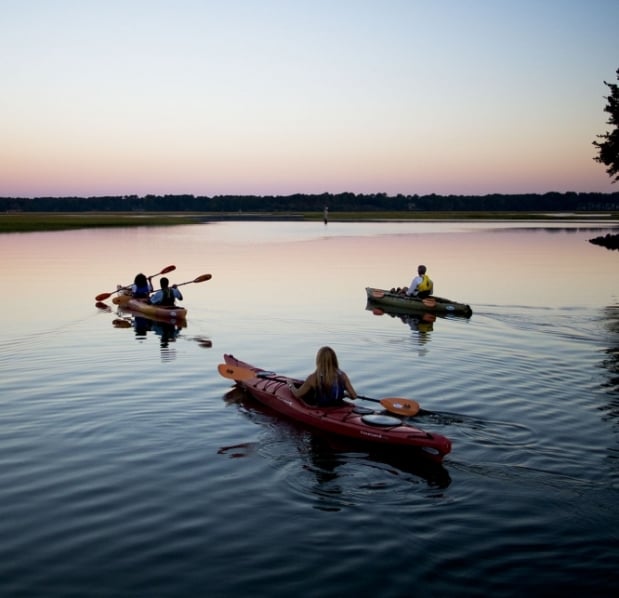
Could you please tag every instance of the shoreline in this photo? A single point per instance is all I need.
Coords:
(22, 222)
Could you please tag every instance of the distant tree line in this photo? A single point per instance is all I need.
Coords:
(337, 202)
(609, 241)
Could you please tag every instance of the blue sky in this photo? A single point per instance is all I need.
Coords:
(274, 97)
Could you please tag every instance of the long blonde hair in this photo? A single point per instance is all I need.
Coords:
(327, 367)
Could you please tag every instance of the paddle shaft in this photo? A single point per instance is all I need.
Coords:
(363, 398)
(201, 278)
(399, 406)
(400, 412)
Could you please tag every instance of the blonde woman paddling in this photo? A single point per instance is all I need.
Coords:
(327, 385)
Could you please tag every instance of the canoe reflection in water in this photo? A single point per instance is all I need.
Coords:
(420, 322)
(324, 454)
(168, 332)
(423, 323)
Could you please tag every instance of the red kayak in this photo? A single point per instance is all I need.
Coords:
(345, 419)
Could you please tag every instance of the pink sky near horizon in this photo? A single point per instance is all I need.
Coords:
(276, 98)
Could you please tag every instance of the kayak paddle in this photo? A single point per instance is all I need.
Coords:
(104, 296)
(235, 373)
(400, 406)
(201, 278)
(124, 299)
(397, 405)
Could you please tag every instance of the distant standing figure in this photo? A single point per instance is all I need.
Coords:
(141, 287)
(421, 286)
(328, 383)
(166, 295)
(325, 215)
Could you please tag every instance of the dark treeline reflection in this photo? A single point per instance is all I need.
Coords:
(611, 359)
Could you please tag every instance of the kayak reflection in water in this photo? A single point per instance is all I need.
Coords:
(327, 384)
(141, 326)
(167, 332)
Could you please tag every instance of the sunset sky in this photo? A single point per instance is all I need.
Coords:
(114, 97)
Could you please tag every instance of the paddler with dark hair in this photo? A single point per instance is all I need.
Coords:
(167, 294)
(142, 287)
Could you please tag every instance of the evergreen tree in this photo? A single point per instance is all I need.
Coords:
(608, 149)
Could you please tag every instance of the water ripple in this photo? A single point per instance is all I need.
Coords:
(131, 469)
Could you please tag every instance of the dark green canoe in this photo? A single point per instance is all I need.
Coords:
(433, 304)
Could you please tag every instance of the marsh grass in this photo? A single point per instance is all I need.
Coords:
(45, 221)
(16, 222)
(464, 215)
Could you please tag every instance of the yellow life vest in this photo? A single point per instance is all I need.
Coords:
(426, 284)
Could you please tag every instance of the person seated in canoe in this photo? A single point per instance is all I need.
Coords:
(421, 286)
(327, 384)
(166, 295)
(142, 287)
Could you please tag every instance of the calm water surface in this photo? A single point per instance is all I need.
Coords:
(128, 467)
